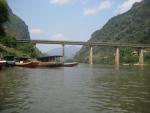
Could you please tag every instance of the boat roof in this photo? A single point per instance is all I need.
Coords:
(22, 58)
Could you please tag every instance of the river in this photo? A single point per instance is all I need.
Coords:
(81, 89)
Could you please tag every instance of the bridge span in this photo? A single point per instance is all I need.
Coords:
(140, 47)
(88, 43)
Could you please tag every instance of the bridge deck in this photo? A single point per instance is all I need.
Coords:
(86, 43)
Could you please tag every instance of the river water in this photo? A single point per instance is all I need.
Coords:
(81, 89)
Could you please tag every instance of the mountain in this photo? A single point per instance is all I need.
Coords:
(70, 52)
(11, 28)
(130, 27)
(16, 27)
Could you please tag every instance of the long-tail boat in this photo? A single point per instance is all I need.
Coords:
(70, 64)
(26, 62)
(50, 61)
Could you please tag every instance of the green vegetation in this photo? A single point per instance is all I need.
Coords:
(11, 28)
(8, 41)
(130, 27)
(147, 58)
(128, 56)
(27, 49)
(3, 16)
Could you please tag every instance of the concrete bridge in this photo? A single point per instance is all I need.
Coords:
(117, 46)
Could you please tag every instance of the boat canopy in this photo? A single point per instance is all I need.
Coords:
(18, 59)
(49, 58)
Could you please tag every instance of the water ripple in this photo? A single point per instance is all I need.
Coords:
(83, 89)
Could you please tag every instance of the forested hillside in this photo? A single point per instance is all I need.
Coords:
(16, 27)
(130, 27)
(12, 28)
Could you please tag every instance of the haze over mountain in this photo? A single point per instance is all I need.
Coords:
(130, 27)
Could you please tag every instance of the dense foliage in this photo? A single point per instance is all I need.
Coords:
(3, 15)
(27, 49)
(130, 27)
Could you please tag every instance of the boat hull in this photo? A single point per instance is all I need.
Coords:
(31, 64)
(49, 64)
(70, 64)
(10, 63)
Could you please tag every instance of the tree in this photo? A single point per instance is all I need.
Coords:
(3, 15)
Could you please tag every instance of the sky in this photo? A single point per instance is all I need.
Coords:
(73, 20)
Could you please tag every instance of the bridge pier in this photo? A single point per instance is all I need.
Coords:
(88, 43)
(91, 55)
(117, 56)
(63, 54)
(141, 56)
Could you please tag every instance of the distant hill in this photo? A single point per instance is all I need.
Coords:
(70, 52)
(130, 27)
(16, 27)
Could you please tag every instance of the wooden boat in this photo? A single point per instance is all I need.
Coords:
(71, 64)
(26, 62)
(30, 64)
(50, 64)
(50, 61)
(2, 64)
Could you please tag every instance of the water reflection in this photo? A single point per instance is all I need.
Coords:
(120, 91)
(13, 95)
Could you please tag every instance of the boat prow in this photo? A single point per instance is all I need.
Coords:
(71, 64)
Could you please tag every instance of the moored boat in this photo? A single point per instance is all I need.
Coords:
(26, 62)
(50, 61)
(71, 64)
(49, 64)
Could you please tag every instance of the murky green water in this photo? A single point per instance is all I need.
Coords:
(82, 89)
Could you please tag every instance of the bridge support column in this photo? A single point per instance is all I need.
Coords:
(141, 56)
(91, 55)
(63, 54)
(117, 56)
